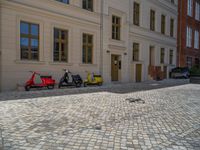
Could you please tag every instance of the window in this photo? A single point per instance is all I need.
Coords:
(87, 52)
(152, 20)
(135, 51)
(163, 24)
(197, 62)
(88, 5)
(197, 11)
(29, 41)
(189, 62)
(136, 14)
(162, 55)
(60, 52)
(189, 7)
(171, 27)
(116, 27)
(171, 57)
(196, 39)
(189, 37)
(63, 1)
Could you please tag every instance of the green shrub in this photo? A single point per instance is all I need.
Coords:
(195, 70)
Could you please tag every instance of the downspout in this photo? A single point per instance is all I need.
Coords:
(101, 37)
(0, 49)
(180, 33)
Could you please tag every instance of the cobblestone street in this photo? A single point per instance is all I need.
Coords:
(103, 118)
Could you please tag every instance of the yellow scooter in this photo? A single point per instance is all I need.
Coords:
(93, 79)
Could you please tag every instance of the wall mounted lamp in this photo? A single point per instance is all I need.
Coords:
(108, 51)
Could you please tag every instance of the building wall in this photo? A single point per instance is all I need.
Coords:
(147, 38)
(14, 71)
(49, 14)
(183, 21)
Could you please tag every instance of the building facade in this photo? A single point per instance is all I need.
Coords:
(129, 41)
(188, 33)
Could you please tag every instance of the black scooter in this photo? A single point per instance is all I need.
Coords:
(69, 79)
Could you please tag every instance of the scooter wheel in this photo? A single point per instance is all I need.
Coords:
(50, 86)
(100, 84)
(27, 88)
(85, 84)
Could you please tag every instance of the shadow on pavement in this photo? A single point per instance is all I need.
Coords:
(112, 88)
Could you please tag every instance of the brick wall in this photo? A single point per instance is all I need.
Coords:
(183, 21)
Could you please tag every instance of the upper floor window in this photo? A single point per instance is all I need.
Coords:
(88, 5)
(63, 1)
(197, 10)
(136, 14)
(29, 40)
(163, 24)
(116, 27)
(189, 37)
(171, 27)
(196, 39)
(152, 20)
(162, 55)
(189, 7)
(135, 51)
(87, 52)
(60, 52)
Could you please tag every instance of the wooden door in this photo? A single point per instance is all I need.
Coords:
(114, 67)
(138, 72)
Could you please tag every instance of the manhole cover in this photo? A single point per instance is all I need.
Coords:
(135, 100)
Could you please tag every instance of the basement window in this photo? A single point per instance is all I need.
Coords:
(63, 1)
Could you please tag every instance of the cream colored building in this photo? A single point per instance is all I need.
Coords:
(47, 36)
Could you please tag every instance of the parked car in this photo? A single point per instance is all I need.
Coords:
(180, 72)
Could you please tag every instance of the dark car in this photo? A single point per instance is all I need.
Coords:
(180, 72)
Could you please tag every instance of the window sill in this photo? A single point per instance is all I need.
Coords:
(137, 62)
(61, 63)
(118, 41)
(88, 65)
(29, 62)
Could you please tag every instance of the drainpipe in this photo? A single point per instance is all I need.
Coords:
(180, 34)
(101, 37)
(0, 50)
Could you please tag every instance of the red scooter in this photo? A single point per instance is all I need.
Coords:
(39, 81)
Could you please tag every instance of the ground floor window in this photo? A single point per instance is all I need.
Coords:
(135, 51)
(189, 62)
(29, 40)
(162, 55)
(171, 57)
(87, 51)
(197, 62)
(60, 52)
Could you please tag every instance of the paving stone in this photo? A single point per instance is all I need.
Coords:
(101, 118)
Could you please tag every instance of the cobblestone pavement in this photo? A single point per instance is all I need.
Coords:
(103, 119)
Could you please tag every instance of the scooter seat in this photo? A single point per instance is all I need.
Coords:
(46, 76)
(99, 76)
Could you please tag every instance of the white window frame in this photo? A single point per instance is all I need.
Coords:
(190, 7)
(189, 37)
(197, 11)
(196, 39)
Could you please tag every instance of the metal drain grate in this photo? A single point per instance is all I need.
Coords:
(135, 100)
